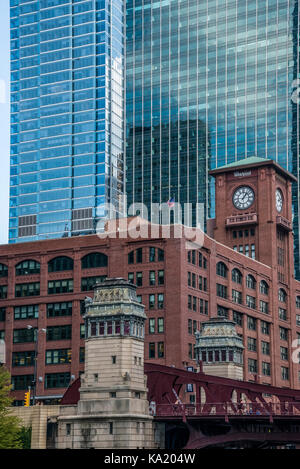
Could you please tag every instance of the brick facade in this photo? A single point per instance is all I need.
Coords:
(193, 284)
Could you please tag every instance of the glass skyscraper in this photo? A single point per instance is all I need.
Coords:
(208, 82)
(67, 75)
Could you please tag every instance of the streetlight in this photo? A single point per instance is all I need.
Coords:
(35, 360)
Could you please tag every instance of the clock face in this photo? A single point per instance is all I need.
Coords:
(243, 197)
(279, 200)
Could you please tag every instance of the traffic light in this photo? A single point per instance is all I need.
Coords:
(27, 399)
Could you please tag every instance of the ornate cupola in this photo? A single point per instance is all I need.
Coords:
(220, 348)
(114, 346)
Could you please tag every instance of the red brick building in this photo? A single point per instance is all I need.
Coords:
(245, 273)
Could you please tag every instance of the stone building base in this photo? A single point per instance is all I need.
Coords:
(107, 432)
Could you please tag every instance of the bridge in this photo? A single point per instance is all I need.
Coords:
(225, 412)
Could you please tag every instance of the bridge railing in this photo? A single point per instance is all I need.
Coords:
(228, 409)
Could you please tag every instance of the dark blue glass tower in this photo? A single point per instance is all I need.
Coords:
(208, 83)
(67, 73)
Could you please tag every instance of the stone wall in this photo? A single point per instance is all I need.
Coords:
(36, 418)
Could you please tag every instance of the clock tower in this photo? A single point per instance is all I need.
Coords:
(254, 212)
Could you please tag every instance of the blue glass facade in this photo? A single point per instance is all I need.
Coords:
(167, 133)
(209, 82)
(67, 75)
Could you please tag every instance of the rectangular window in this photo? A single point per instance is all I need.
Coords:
(283, 353)
(87, 283)
(58, 357)
(193, 280)
(152, 277)
(282, 314)
(3, 292)
(190, 326)
(59, 309)
(27, 289)
(203, 306)
(81, 354)
(26, 312)
(298, 319)
(24, 335)
(151, 326)
(238, 318)
(253, 251)
(160, 349)
(21, 382)
(251, 323)
(60, 286)
(189, 302)
(252, 344)
(284, 373)
(237, 296)
(194, 303)
(264, 306)
(265, 327)
(151, 301)
(23, 358)
(131, 277)
(151, 350)
(250, 302)
(252, 365)
(59, 332)
(221, 291)
(160, 255)
(2, 314)
(265, 348)
(139, 279)
(57, 380)
(160, 325)
(222, 312)
(161, 277)
(283, 333)
(266, 369)
(160, 301)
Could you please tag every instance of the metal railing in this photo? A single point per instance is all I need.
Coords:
(228, 409)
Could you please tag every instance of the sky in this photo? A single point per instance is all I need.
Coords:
(4, 119)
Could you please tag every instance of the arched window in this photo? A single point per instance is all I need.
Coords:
(3, 270)
(222, 269)
(298, 302)
(264, 287)
(94, 260)
(28, 267)
(58, 264)
(250, 282)
(236, 276)
(282, 295)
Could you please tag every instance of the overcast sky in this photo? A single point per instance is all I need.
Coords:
(4, 118)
